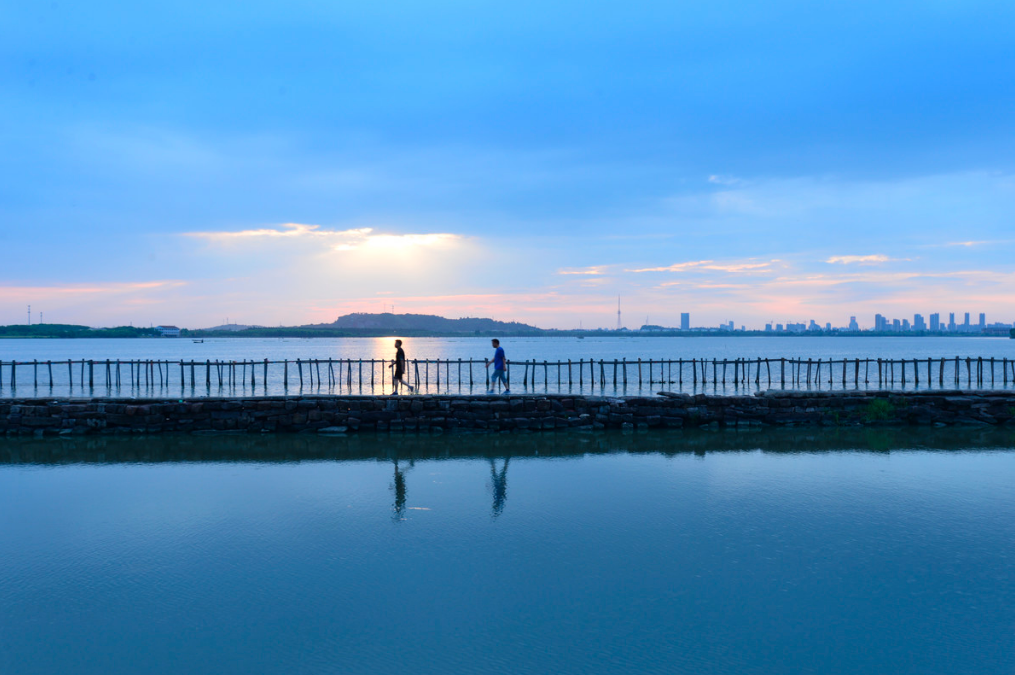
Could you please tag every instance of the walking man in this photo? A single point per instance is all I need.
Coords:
(399, 368)
(499, 369)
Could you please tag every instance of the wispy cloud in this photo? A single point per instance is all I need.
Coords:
(593, 271)
(340, 240)
(971, 244)
(711, 265)
(717, 179)
(858, 259)
(67, 291)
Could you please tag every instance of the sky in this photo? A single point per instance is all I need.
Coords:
(286, 163)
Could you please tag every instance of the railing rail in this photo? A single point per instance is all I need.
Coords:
(374, 375)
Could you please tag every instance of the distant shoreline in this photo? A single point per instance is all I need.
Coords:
(371, 333)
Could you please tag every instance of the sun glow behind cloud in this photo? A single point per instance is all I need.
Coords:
(339, 240)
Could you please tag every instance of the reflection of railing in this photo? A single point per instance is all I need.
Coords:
(349, 374)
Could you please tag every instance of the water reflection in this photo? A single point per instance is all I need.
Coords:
(398, 486)
(499, 481)
(407, 448)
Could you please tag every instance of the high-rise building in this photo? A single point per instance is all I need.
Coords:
(853, 325)
(983, 320)
(685, 321)
(918, 322)
(965, 324)
(813, 326)
(779, 328)
(951, 322)
(828, 326)
(768, 328)
(905, 325)
(880, 323)
(935, 322)
(897, 325)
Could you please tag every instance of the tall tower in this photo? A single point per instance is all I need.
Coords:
(619, 324)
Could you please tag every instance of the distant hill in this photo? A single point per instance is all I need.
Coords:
(429, 323)
(230, 327)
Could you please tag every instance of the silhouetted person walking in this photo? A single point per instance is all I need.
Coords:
(398, 367)
(499, 367)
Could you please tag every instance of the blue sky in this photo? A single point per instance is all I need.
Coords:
(289, 162)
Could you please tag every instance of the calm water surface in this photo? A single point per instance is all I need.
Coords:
(36, 382)
(859, 552)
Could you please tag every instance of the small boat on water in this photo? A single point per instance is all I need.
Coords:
(197, 342)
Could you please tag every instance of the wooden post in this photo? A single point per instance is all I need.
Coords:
(969, 373)
(415, 365)
(639, 372)
(602, 373)
(299, 366)
(581, 373)
(49, 367)
(525, 375)
(625, 370)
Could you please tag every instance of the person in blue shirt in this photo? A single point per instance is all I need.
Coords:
(498, 367)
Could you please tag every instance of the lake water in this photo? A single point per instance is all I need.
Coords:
(878, 551)
(166, 381)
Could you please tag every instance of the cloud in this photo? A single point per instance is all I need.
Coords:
(711, 265)
(595, 270)
(340, 240)
(858, 259)
(723, 180)
(70, 291)
(970, 244)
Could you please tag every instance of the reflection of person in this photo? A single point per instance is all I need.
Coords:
(399, 368)
(399, 509)
(499, 486)
(498, 367)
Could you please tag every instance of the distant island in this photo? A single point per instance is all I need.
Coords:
(428, 325)
(378, 325)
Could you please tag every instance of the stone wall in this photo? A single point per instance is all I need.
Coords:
(438, 413)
